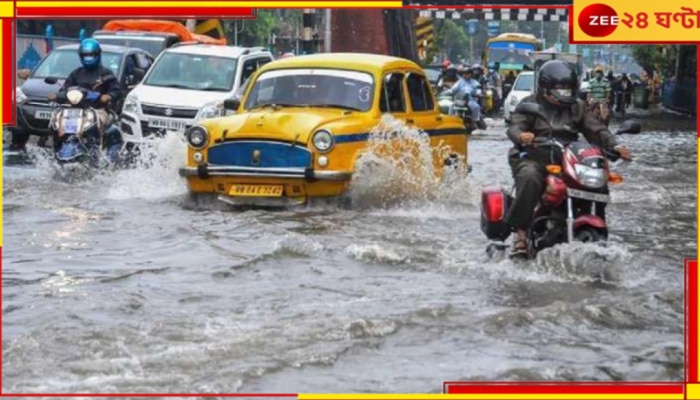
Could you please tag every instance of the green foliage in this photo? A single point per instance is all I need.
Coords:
(451, 39)
(258, 31)
(651, 57)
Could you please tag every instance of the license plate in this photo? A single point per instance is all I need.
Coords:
(580, 194)
(70, 125)
(167, 124)
(256, 190)
(43, 114)
(73, 113)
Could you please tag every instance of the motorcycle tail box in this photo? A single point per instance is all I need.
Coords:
(494, 206)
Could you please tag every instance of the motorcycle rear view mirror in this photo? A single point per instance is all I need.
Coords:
(629, 127)
(51, 80)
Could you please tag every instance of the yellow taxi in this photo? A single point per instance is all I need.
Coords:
(302, 123)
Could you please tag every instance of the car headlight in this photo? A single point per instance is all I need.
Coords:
(132, 104)
(210, 110)
(197, 136)
(323, 141)
(20, 96)
(591, 177)
(513, 101)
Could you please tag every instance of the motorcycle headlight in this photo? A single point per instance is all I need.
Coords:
(20, 96)
(591, 177)
(197, 137)
(323, 141)
(210, 110)
(489, 92)
(132, 104)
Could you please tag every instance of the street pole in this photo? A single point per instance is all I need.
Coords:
(307, 33)
(327, 33)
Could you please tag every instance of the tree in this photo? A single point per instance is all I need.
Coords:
(257, 32)
(451, 39)
(655, 57)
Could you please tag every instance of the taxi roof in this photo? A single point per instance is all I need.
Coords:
(356, 61)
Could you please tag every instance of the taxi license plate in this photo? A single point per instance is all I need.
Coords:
(43, 114)
(256, 191)
(580, 194)
(167, 124)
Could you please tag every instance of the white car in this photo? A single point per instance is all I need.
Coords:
(523, 86)
(187, 83)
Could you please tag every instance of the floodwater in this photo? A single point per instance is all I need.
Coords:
(121, 284)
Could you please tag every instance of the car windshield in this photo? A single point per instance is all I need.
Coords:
(60, 63)
(193, 72)
(525, 83)
(511, 55)
(153, 45)
(433, 74)
(351, 90)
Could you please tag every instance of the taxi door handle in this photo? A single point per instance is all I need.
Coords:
(409, 121)
(439, 119)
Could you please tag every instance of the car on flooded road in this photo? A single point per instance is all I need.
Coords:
(303, 122)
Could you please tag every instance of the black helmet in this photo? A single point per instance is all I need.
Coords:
(558, 82)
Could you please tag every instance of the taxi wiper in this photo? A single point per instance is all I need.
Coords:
(274, 105)
(344, 107)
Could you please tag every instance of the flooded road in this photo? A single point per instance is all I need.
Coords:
(118, 284)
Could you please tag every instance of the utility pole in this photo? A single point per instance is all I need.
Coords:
(308, 30)
(327, 32)
(191, 24)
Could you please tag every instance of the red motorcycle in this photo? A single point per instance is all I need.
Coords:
(576, 184)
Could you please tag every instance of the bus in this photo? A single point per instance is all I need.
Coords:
(511, 52)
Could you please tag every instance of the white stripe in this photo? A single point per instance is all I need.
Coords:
(456, 15)
(338, 73)
(539, 17)
(440, 14)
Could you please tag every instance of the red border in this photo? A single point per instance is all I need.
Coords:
(9, 111)
(691, 271)
(691, 321)
(143, 12)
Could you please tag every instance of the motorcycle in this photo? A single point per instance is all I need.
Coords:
(451, 105)
(576, 184)
(76, 137)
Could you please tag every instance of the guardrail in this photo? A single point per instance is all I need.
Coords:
(680, 96)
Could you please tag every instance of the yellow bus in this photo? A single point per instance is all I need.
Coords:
(512, 51)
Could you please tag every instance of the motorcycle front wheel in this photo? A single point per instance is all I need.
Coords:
(589, 235)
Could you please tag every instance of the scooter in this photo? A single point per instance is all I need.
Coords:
(76, 135)
(569, 210)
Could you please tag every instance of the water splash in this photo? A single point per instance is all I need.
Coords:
(397, 168)
(155, 173)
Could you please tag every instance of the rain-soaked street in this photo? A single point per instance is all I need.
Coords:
(119, 284)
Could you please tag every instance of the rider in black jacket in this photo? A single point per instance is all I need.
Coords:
(92, 76)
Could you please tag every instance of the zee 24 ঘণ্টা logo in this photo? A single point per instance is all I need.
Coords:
(601, 20)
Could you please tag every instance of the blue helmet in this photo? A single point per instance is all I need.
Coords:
(90, 53)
